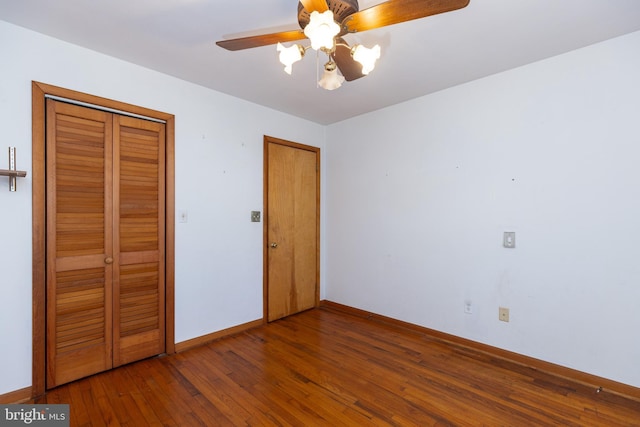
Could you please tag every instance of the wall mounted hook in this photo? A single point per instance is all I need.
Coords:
(12, 173)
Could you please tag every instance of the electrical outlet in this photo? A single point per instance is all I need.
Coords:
(468, 308)
(503, 314)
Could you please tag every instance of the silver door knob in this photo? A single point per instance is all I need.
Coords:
(274, 245)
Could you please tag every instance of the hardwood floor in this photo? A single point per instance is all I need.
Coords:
(328, 368)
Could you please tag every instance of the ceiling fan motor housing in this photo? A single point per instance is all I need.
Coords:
(340, 8)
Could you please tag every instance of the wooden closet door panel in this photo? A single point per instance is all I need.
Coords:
(139, 236)
(79, 244)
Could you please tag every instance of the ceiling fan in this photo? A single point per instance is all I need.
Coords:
(325, 22)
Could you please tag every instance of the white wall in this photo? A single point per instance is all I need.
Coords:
(219, 142)
(419, 194)
(416, 199)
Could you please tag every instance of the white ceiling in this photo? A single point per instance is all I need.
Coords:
(177, 37)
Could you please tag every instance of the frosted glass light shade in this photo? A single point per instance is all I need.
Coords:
(321, 29)
(365, 56)
(330, 78)
(289, 55)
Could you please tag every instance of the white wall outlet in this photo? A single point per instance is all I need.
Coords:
(468, 307)
(503, 314)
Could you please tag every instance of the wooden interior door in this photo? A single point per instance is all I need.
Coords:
(292, 227)
(105, 241)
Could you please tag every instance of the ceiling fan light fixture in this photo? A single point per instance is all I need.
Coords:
(330, 78)
(365, 56)
(289, 55)
(321, 30)
(341, 17)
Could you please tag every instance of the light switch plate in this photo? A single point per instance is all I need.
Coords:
(255, 216)
(509, 239)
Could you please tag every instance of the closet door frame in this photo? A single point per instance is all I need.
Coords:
(39, 92)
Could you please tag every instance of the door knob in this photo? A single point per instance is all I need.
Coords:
(274, 245)
(108, 260)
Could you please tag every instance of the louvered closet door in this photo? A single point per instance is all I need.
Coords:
(105, 241)
(79, 242)
(139, 236)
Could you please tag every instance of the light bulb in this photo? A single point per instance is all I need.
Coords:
(365, 56)
(321, 29)
(289, 55)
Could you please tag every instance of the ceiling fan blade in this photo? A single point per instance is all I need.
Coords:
(349, 67)
(397, 11)
(261, 40)
(315, 5)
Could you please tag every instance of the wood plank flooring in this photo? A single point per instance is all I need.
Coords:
(328, 368)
